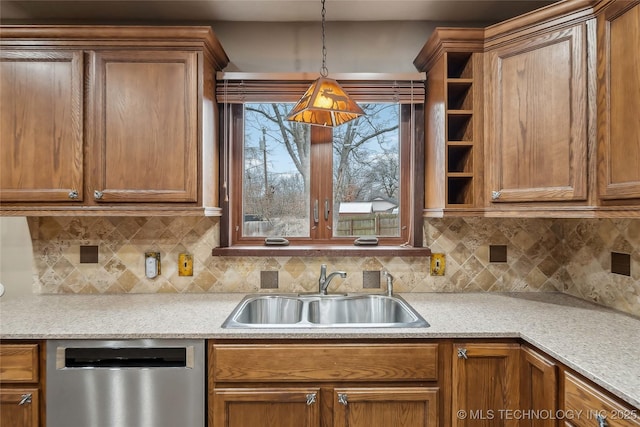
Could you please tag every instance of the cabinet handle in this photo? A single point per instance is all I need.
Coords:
(316, 213)
(97, 194)
(26, 398)
(462, 353)
(326, 209)
(73, 194)
(342, 398)
(602, 420)
(495, 195)
(311, 399)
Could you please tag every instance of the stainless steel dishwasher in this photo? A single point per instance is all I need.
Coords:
(126, 383)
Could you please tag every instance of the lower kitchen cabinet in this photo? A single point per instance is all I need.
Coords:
(385, 406)
(19, 407)
(363, 384)
(485, 384)
(266, 407)
(538, 388)
(20, 386)
(586, 405)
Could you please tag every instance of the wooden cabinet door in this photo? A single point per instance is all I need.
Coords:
(266, 407)
(537, 119)
(144, 126)
(538, 388)
(618, 32)
(485, 384)
(385, 406)
(589, 406)
(41, 126)
(19, 407)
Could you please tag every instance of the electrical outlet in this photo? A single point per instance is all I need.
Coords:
(438, 262)
(151, 264)
(185, 265)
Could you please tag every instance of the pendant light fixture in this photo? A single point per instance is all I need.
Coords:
(325, 103)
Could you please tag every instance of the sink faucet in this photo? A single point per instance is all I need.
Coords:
(389, 277)
(324, 280)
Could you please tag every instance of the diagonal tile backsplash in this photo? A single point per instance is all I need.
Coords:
(571, 256)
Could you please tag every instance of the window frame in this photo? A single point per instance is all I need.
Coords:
(411, 198)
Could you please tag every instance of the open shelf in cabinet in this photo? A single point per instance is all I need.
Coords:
(460, 94)
(460, 138)
(459, 65)
(459, 189)
(460, 126)
(459, 158)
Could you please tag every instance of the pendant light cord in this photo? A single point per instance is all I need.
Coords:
(324, 71)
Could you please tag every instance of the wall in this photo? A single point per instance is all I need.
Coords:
(16, 255)
(352, 47)
(543, 255)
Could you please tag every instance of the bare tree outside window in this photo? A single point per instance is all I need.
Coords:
(276, 188)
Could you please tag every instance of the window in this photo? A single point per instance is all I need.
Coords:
(320, 185)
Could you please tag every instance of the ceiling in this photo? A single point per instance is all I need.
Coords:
(171, 11)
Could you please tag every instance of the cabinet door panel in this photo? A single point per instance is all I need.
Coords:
(266, 407)
(539, 388)
(538, 119)
(41, 128)
(485, 384)
(145, 131)
(590, 405)
(619, 101)
(387, 406)
(19, 407)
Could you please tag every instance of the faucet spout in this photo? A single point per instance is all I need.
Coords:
(324, 280)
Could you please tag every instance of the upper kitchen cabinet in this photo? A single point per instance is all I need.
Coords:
(144, 112)
(618, 33)
(536, 112)
(146, 141)
(537, 115)
(453, 61)
(41, 125)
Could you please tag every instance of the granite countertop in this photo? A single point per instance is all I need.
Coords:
(601, 344)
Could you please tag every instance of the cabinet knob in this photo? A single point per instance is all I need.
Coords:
(73, 194)
(495, 195)
(311, 399)
(602, 420)
(462, 353)
(97, 195)
(342, 398)
(26, 398)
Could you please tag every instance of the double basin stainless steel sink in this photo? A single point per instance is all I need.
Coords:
(324, 311)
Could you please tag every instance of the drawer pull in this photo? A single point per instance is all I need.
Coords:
(342, 399)
(311, 399)
(98, 195)
(495, 195)
(602, 420)
(26, 398)
(73, 194)
(462, 353)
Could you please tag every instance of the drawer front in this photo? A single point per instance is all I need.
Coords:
(19, 363)
(324, 362)
(587, 405)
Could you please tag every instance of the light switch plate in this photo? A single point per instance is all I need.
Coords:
(185, 265)
(438, 263)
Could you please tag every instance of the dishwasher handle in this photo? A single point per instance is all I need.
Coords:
(124, 357)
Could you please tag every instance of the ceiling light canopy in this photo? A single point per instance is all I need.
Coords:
(325, 103)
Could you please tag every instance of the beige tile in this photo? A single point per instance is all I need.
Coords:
(544, 254)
